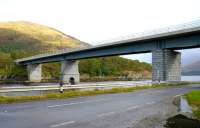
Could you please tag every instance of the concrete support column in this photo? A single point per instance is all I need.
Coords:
(166, 65)
(69, 72)
(34, 72)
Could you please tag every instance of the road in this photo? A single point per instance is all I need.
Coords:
(102, 111)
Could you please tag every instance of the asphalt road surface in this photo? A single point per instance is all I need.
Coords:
(102, 111)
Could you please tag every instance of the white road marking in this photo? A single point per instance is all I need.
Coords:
(62, 124)
(133, 107)
(150, 103)
(75, 103)
(105, 114)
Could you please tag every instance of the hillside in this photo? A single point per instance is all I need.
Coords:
(22, 39)
(20, 36)
(192, 69)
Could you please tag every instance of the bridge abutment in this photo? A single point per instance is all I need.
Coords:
(34, 72)
(69, 72)
(166, 66)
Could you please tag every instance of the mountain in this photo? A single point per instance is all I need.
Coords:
(34, 38)
(190, 56)
(23, 39)
(192, 69)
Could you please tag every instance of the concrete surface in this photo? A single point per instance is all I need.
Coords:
(166, 65)
(69, 72)
(34, 72)
(103, 111)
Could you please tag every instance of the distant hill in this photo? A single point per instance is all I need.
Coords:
(192, 69)
(34, 38)
(23, 39)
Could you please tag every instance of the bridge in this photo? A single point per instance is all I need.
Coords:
(166, 62)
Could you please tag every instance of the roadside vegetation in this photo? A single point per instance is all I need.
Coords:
(193, 98)
(78, 93)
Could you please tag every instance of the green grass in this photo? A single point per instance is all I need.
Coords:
(77, 93)
(193, 98)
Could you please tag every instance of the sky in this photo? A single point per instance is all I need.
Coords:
(94, 21)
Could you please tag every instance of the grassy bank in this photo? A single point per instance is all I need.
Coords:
(77, 93)
(193, 98)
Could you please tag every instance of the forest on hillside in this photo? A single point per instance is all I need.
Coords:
(105, 68)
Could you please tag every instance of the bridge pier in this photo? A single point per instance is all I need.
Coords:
(69, 72)
(166, 66)
(34, 72)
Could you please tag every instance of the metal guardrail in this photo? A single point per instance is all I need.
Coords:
(66, 87)
(175, 28)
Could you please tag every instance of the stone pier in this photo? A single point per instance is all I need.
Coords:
(69, 72)
(34, 72)
(166, 66)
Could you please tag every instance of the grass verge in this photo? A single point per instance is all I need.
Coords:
(193, 98)
(77, 93)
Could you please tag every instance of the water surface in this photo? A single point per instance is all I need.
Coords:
(190, 78)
